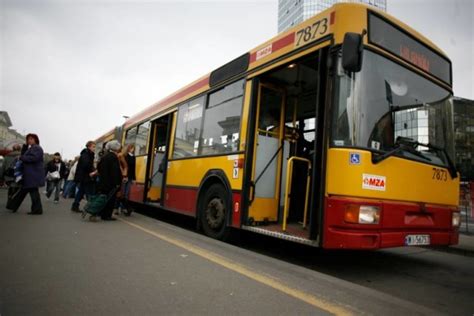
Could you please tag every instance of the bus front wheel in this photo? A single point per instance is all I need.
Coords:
(213, 212)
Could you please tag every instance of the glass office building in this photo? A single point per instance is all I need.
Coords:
(464, 137)
(293, 12)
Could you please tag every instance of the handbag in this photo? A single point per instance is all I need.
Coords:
(50, 176)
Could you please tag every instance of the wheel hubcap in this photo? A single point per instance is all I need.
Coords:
(215, 213)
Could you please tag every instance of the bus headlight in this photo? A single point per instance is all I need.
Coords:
(362, 214)
(456, 219)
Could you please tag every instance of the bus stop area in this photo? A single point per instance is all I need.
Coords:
(60, 263)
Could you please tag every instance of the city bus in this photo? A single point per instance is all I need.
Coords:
(337, 133)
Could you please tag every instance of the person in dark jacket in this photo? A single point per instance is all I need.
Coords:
(55, 171)
(85, 173)
(33, 175)
(131, 176)
(110, 178)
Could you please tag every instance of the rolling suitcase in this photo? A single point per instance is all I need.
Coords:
(96, 204)
(13, 201)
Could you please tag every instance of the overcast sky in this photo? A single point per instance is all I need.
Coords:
(70, 69)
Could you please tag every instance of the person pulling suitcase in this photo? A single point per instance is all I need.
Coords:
(29, 174)
(110, 178)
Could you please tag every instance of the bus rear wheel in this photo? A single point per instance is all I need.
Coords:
(213, 212)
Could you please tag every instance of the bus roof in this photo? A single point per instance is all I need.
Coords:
(350, 17)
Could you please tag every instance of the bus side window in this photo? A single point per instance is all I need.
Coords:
(221, 130)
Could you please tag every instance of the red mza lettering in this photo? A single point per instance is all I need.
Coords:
(373, 182)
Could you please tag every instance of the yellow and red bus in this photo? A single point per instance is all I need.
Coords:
(337, 133)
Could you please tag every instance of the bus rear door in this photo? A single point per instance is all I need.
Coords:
(158, 160)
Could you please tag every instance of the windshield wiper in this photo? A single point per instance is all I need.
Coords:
(399, 147)
(396, 108)
(442, 153)
(409, 145)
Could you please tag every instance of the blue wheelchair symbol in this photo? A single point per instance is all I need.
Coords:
(354, 159)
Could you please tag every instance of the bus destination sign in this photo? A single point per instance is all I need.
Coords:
(387, 36)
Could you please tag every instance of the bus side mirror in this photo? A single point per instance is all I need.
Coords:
(352, 52)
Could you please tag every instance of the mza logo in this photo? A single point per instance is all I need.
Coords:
(373, 182)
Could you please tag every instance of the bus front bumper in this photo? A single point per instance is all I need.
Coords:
(341, 239)
(399, 224)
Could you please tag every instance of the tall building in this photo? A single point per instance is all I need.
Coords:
(293, 12)
(464, 137)
(8, 136)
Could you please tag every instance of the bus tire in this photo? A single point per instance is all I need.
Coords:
(213, 212)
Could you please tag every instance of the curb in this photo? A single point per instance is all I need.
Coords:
(454, 250)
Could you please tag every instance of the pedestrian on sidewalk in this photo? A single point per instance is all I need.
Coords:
(119, 203)
(55, 171)
(33, 175)
(85, 175)
(70, 186)
(131, 176)
(110, 178)
(68, 166)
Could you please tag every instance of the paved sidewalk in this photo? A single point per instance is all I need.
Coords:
(61, 264)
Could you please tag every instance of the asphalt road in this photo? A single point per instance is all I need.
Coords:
(58, 263)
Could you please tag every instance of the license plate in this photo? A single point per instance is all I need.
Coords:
(417, 240)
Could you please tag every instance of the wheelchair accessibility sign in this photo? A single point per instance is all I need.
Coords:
(354, 159)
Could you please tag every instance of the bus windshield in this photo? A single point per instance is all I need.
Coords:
(385, 102)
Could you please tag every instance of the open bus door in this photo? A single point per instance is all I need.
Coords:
(157, 166)
(268, 157)
(286, 175)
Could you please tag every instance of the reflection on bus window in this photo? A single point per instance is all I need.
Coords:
(221, 131)
(130, 136)
(385, 101)
(141, 139)
(188, 129)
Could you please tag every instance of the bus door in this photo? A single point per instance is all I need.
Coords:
(269, 152)
(158, 161)
(281, 198)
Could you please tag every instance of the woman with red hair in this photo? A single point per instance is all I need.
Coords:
(33, 175)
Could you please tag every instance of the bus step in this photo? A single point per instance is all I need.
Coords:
(281, 235)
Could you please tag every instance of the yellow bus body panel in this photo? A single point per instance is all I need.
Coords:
(264, 209)
(405, 180)
(245, 115)
(190, 172)
(140, 168)
(154, 193)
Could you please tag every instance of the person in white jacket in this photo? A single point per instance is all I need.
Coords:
(70, 185)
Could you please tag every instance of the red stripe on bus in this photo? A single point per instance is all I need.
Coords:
(283, 42)
(136, 192)
(332, 18)
(277, 45)
(167, 101)
(253, 57)
(198, 85)
(181, 199)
